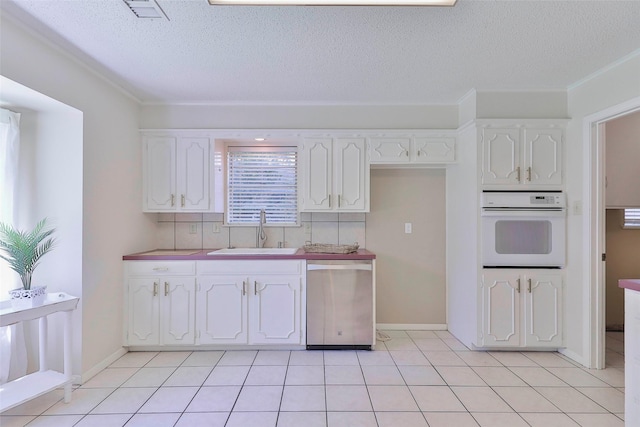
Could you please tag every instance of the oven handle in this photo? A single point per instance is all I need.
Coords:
(553, 213)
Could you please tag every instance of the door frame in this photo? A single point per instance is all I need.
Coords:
(594, 224)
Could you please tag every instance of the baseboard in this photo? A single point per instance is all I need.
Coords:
(411, 327)
(102, 365)
(573, 356)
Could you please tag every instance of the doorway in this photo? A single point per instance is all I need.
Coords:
(595, 222)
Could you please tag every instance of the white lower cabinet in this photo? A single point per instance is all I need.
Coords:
(521, 308)
(262, 306)
(178, 303)
(161, 310)
(222, 310)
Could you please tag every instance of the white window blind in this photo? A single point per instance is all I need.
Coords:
(262, 178)
(631, 218)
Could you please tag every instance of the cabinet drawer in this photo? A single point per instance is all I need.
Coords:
(161, 268)
(250, 267)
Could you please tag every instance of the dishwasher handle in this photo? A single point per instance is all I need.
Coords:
(311, 267)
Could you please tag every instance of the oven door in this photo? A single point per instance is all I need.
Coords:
(523, 238)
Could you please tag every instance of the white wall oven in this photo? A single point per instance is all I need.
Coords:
(523, 229)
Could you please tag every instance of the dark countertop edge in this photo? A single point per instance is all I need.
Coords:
(633, 284)
(201, 255)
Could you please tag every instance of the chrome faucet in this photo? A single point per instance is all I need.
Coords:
(262, 236)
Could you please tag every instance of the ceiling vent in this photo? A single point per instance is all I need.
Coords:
(148, 9)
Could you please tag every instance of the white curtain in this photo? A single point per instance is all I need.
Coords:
(13, 360)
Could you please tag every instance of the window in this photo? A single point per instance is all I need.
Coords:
(631, 218)
(262, 178)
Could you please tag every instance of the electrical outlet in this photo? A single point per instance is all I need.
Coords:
(193, 228)
(407, 227)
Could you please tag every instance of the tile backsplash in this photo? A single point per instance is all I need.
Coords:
(207, 231)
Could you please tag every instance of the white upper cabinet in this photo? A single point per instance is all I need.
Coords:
(412, 150)
(334, 175)
(176, 174)
(514, 157)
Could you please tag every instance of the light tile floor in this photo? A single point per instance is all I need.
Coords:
(416, 378)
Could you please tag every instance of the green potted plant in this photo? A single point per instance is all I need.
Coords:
(23, 251)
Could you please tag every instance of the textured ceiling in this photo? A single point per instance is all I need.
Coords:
(338, 55)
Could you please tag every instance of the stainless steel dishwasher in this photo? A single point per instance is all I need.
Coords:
(340, 305)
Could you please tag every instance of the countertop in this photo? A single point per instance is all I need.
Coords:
(201, 254)
(633, 284)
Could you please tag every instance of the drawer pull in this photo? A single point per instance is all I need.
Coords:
(255, 288)
(529, 285)
(518, 288)
(161, 269)
(155, 289)
(166, 289)
(244, 287)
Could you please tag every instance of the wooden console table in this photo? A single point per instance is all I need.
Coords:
(38, 383)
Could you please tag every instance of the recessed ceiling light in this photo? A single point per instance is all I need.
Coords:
(334, 2)
(146, 9)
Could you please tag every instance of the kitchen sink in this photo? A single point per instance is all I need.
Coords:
(254, 251)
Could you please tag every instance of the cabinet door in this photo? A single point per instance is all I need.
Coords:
(390, 150)
(317, 170)
(275, 310)
(221, 315)
(350, 174)
(543, 305)
(144, 303)
(160, 173)
(434, 149)
(193, 174)
(542, 156)
(500, 309)
(501, 156)
(177, 311)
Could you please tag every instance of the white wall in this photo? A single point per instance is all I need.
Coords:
(622, 157)
(299, 117)
(111, 218)
(410, 267)
(463, 245)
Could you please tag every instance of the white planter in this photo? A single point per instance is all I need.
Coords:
(22, 298)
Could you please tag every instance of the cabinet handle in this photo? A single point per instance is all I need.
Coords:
(155, 289)
(166, 289)
(419, 153)
(255, 287)
(329, 200)
(518, 173)
(529, 174)
(518, 288)
(160, 269)
(182, 200)
(529, 285)
(339, 200)
(173, 200)
(244, 288)
(406, 153)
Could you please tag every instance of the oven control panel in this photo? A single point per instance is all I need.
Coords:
(523, 200)
(545, 199)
